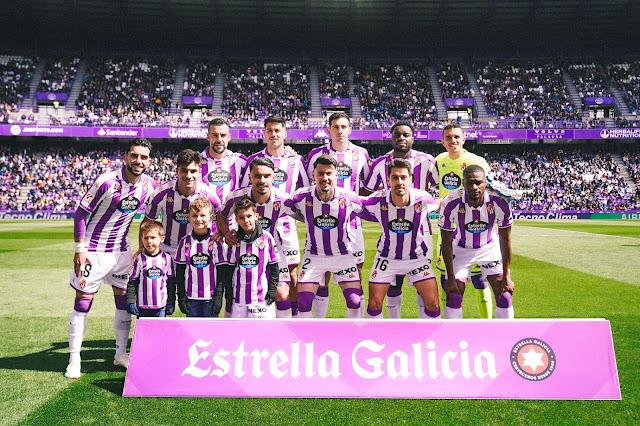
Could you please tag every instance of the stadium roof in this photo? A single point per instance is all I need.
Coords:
(310, 23)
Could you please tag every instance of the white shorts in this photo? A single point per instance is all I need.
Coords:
(283, 267)
(257, 310)
(356, 239)
(290, 242)
(488, 258)
(385, 270)
(313, 268)
(111, 268)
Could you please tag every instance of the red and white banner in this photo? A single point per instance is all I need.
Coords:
(517, 359)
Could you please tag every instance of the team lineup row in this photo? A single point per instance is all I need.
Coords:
(253, 263)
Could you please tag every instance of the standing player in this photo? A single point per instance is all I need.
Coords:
(254, 273)
(104, 218)
(468, 219)
(269, 203)
(425, 177)
(404, 247)
(326, 209)
(221, 168)
(290, 174)
(352, 170)
(171, 200)
(451, 165)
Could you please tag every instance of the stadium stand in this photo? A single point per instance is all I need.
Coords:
(451, 77)
(16, 71)
(59, 74)
(199, 78)
(333, 81)
(626, 74)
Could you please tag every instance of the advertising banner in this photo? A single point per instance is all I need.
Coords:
(599, 100)
(51, 96)
(329, 102)
(514, 359)
(197, 100)
(458, 102)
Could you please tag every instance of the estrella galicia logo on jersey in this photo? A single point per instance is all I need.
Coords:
(325, 222)
(451, 181)
(181, 216)
(400, 226)
(263, 222)
(129, 204)
(249, 260)
(154, 273)
(533, 359)
(344, 171)
(219, 177)
(200, 260)
(476, 227)
(280, 177)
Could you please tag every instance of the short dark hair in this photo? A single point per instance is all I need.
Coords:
(144, 142)
(218, 121)
(404, 123)
(152, 226)
(243, 204)
(275, 119)
(262, 161)
(399, 163)
(453, 125)
(188, 156)
(472, 169)
(338, 115)
(325, 160)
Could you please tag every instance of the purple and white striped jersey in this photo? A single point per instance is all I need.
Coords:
(113, 203)
(251, 276)
(152, 271)
(353, 165)
(290, 173)
(224, 175)
(474, 227)
(403, 228)
(201, 258)
(326, 223)
(425, 172)
(168, 201)
(269, 212)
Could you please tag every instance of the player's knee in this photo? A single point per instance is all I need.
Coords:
(478, 282)
(323, 291)
(504, 300)
(352, 297)
(305, 301)
(431, 303)
(121, 301)
(82, 304)
(282, 292)
(375, 304)
(454, 300)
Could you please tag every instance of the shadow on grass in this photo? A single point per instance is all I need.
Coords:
(115, 385)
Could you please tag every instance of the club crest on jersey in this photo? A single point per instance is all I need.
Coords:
(417, 207)
(325, 222)
(249, 260)
(463, 166)
(344, 171)
(276, 205)
(261, 244)
(280, 177)
(489, 208)
(341, 203)
(83, 283)
(451, 181)
(476, 227)
(533, 359)
(374, 274)
(154, 273)
(200, 260)
(181, 216)
(129, 204)
(400, 226)
(219, 177)
(88, 196)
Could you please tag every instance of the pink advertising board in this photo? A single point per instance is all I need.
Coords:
(517, 359)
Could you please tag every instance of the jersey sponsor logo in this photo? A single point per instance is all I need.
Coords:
(154, 273)
(451, 181)
(129, 204)
(400, 226)
(476, 227)
(264, 222)
(290, 252)
(325, 222)
(421, 269)
(219, 177)
(349, 271)
(200, 260)
(284, 270)
(491, 264)
(344, 171)
(181, 216)
(533, 359)
(120, 276)
(249, 260)
(357, 253)
(280, 177)
(257, 310)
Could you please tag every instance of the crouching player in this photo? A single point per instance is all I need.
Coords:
(151, 291)
(196, 259)
(405, 246)
(468, 219)
(254, 274)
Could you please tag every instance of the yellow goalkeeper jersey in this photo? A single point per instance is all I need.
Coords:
(450, 171)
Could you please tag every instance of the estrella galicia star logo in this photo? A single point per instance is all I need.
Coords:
(533, 359)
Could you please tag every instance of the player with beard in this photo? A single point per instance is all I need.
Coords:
(425, 177)
(102, 251)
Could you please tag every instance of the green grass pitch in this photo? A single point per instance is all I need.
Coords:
(562, 269)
